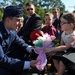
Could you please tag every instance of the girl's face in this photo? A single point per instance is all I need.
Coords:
(48, 20)
(65, 25)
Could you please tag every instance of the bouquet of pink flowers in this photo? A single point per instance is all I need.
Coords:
(44, 41)
(40, 42)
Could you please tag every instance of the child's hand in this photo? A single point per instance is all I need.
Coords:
(48, 50)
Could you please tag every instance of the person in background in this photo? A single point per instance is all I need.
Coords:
(60, 19)
(56, 22)
(10, 65)
(67, 43)
(49, 28)
(31, 22)
(56, 13)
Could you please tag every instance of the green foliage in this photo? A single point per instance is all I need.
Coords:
(42, 6)
(56, 42)
(40, 11)
(1, 14)
(74, 11)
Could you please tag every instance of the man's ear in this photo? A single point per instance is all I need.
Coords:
(7, 19)
(72, 25)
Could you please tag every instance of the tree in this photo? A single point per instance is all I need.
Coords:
(47, 4)
(44, 5)
(74, 11)
(1, 13)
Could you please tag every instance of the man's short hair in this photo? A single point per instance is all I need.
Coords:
(29, 3)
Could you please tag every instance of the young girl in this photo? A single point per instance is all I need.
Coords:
(67, 42)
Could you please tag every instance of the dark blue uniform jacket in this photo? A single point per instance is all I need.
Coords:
(5, 42)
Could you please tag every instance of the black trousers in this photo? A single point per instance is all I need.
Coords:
(9, 72)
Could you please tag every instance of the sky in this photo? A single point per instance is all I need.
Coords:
(69, 5)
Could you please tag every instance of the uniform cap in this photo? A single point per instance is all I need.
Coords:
(13, 11)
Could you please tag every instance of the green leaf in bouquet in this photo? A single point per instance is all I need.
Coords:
(38, 43)
(56, 42)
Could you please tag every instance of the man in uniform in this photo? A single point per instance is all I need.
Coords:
(10, 65)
